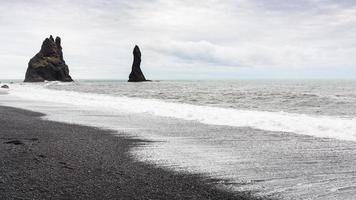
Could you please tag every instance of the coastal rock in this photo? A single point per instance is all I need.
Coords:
(136, 74)
(5, 86)
(48, 64)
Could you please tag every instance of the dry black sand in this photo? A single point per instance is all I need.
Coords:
(48, 160)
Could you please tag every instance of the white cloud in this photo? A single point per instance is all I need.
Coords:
(207, 37)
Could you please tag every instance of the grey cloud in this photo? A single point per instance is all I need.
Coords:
(98, 36)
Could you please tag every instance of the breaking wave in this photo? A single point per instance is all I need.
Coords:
(318, 126)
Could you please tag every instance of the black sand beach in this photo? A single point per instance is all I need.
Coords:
(49, 160)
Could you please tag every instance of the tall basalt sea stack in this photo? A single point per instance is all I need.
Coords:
(48, 64)
(136, 74)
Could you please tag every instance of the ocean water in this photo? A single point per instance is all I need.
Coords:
(288, 139)
(316, 108)
(336, 98)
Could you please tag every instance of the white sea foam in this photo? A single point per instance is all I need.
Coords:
(318, 126)
(3, 91)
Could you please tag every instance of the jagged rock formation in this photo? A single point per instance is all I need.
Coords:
(48, 64)
(136, 74)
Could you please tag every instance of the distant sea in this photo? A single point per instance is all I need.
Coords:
(293, 139)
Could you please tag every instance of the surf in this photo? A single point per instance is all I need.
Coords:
(313, 125)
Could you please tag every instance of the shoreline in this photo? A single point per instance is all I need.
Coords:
(266, 164)
(43, 159)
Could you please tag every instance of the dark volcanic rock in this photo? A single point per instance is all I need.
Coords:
(15, 142)
(5, 86)
(136, 74)
(48, 64)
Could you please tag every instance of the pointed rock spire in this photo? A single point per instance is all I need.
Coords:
(136, 74)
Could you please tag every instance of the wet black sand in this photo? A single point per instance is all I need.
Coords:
(48, 160)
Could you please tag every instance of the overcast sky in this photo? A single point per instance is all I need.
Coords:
(181, 39)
